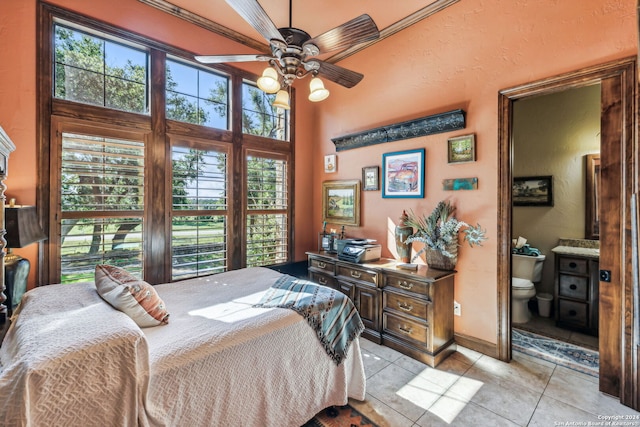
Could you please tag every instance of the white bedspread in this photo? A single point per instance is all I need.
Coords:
(70, 359)
(244, 366)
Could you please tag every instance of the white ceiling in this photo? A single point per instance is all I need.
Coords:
(313, 17)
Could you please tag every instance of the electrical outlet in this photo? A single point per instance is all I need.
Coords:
(457, 308)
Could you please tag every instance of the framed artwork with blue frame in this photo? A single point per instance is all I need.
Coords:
(403, 174)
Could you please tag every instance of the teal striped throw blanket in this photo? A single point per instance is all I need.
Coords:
(329, 312)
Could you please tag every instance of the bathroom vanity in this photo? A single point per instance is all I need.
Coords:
(577, 285)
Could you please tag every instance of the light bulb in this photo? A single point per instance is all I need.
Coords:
(318, 92)
(282, 100)
(269, 81)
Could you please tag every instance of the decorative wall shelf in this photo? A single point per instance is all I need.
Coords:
(429, 125)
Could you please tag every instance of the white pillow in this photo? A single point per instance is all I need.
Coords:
(132, 296)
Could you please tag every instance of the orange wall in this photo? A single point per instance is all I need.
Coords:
(459, 58)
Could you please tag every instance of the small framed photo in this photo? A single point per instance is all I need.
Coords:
(403, 174)
(330, 164)
(341, 202)
(371, 178)
(462, 149)
(533, 191)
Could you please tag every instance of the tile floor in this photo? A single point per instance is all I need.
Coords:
(471, 389)
(547, 326)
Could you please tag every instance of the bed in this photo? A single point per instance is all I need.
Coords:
(69, 359)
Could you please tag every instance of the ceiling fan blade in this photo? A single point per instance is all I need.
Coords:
(356, 31)
(218, 59)
(342, 76)
(255, 15)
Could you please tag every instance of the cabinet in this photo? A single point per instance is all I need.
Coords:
(410, 311)
(361, 284)
(576, 293)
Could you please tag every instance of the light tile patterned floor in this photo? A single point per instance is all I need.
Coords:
(471, 389)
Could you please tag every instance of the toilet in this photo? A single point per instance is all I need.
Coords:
(525, 271)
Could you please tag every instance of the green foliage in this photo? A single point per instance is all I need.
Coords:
(439, 230)
(111, 177)
(83, 74)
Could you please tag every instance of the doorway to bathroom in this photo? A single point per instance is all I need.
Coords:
(619, 344)
(553, 137)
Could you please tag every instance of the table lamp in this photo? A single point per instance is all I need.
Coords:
(23, 229)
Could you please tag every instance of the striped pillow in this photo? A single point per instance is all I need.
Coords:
(135, 297)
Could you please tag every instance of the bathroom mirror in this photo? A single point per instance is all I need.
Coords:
(592, 211)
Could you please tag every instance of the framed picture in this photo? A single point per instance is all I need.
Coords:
(403, 174)
(462, 149)
(533, 191)
(341, 202)
(330, 164)
(370, 178)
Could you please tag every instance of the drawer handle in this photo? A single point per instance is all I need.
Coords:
(405, 330)
(322, 280)
(404, 306)
(573, 287)
(355, 274)
(322, 264)
(572, 312)
(404, 285)
(573, 265)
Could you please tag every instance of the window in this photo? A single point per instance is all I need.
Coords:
(199, 219)
(102, 198)
(259, 117)
(197, 96)
(267, 202)
(93, 70)
(177, 192)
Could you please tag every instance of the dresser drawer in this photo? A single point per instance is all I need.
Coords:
(576, 287)
(323, 265)
(573, 265)
(573, 312)
(405, 304)
(406, 329)
(407, 284)
(323, 279)
(355, 273)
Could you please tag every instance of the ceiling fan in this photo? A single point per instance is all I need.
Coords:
(293, 52)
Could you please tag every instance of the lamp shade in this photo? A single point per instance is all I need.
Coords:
(318, 91)
(22, 226)
(269, 81)
(282, 100)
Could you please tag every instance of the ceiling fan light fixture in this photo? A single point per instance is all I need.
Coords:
(268, 83)
(282, 100)
(317, 90)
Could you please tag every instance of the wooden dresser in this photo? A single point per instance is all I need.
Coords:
(410, 311)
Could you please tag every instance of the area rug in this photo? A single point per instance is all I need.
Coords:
(561, 353)
(340, 416)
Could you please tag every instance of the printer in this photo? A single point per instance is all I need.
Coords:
(358, 250)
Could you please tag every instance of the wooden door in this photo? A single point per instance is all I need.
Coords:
(610, 235)
(619, 330)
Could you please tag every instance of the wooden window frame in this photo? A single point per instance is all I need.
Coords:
(158, 133)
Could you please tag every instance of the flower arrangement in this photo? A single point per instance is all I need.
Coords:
(439, 231)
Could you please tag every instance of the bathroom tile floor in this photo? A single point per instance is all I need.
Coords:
(547, 326)
(472, 389)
